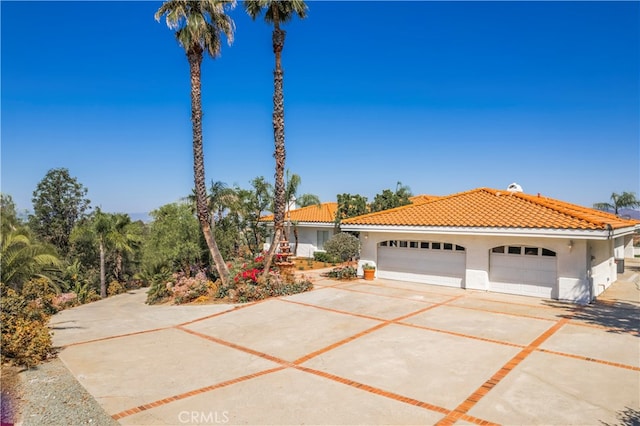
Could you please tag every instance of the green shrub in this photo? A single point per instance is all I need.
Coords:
(115, 287)
(40, 292)
(343, 273)
(159, 281)
(322, 256)
(26, 339)
(342, 246)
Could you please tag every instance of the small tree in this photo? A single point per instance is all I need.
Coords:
(343, 246)
(173, 240)
(8, 214)
(254, 203)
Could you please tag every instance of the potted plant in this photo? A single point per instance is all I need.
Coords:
(369, 271)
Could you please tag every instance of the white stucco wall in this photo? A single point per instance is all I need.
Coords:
(604, 270)
(628, 246)
(307, 239)
(572, 283)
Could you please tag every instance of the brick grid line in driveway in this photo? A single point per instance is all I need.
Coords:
(451, 416)
(194, 392)
(473, 399)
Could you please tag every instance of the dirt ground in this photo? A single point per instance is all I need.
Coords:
(304, 264)
(10, 394)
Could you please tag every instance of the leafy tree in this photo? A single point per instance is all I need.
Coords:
(619, 201)
(59, 201)
(22, 258)
(255, 202)
(343, 246)
(8, 214)
(389, 200)
(350, 206)
(199, 27)
(277, 12)
(172, 240)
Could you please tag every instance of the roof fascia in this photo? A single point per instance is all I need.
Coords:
(306, 224)
(597, 234)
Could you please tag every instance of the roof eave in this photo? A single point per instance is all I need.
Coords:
(307, 224)
(591, 234)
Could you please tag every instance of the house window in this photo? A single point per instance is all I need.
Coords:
(403, 244)
(497, 249)
(531, 251)
(448, 246)
(459, 248)
(515, 250)
(546, 252)
(435, 246)
(413, 244)
(424, 245)
(323, 237)
(393, 243)
(383, 244)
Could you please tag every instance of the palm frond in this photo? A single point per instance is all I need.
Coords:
(199, 24)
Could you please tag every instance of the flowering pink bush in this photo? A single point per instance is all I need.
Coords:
(187, 289)
(65, 300)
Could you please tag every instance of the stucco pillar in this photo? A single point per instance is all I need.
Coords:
(477, 275)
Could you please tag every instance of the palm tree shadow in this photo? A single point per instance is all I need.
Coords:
(616, 317)
(626, 417)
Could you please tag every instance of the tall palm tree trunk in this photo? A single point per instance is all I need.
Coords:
(117, 271)
(103, 280)
(296, 238)
(194, 56)
(278, 138)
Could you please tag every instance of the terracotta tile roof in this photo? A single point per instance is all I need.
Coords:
(422, 198)
(484, 207)
(325, 212)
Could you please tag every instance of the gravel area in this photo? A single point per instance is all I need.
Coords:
(50, 395)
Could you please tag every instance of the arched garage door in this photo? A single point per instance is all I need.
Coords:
(529, 271)
(422, 261)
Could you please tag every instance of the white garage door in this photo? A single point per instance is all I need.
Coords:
(529, 271)
(422, 261)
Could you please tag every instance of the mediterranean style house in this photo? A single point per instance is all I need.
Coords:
(498, 240)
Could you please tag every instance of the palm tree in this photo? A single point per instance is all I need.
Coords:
(199, 26)
(277, 12)
(306, 200)
(23, 258)
(619, 201)
(220, 198)
(100, 229)
(124, 237)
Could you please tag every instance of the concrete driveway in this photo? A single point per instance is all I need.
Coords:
(361, 352)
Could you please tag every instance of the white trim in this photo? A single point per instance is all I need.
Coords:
(307, 224)
(494, 231)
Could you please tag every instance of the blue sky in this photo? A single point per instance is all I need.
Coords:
(442, 96)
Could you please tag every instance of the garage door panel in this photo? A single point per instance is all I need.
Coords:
(429, 262)
(523, 274)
